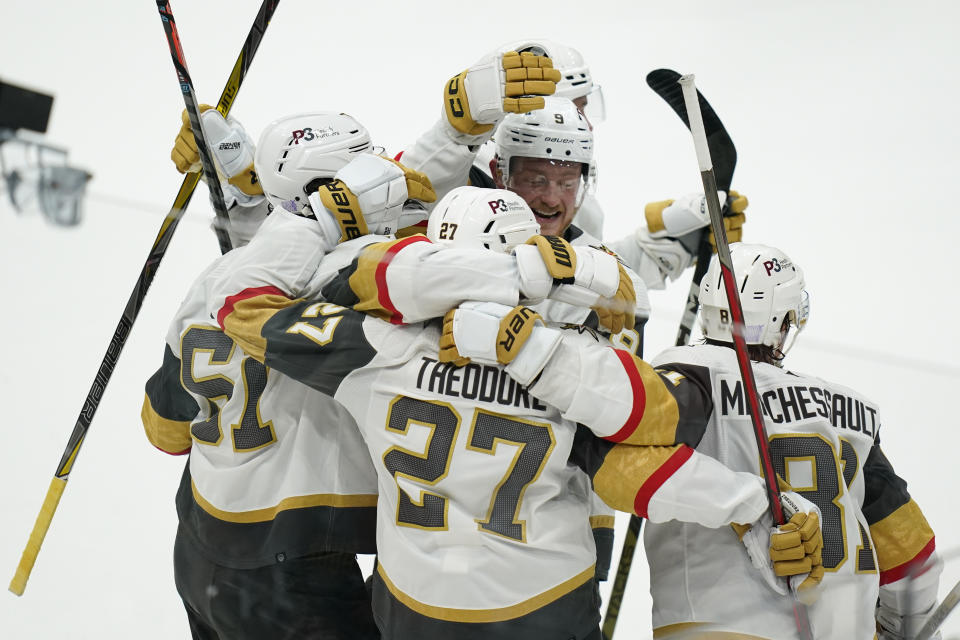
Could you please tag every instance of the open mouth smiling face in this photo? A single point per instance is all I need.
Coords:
(551, 188)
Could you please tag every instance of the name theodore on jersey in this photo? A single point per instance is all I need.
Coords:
(802, 402)
(484, 383)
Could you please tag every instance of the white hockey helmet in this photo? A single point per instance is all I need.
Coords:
(556, 132)
(575, 79)
(297, 153)
(471, 217)
(771, 289)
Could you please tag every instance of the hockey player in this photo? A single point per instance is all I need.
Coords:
(482, 522)
(312, 149)
(449, 154)
(273, 505)
(825, 443)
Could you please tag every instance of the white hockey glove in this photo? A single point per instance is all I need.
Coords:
(790, 550)
(582, 276)
(475, 101)
(367, 196)
(680, 218)
(232, 152)
(906, 604)
(492, 333)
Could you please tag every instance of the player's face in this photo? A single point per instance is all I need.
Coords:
(551, 188)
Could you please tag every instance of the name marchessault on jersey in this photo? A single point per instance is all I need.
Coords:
(802, 402)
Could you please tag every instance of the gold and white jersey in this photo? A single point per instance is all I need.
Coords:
(276, 469)
(824, 441)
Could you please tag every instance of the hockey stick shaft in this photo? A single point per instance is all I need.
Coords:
(620, 580)
(664, 84)
(134, 303)
(733, 294)
(196, 124)
(736, 313)
(940, 614)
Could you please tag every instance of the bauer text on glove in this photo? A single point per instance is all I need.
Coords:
(232, 149)
(368, 195)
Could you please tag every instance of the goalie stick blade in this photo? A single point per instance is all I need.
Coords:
(665, 84)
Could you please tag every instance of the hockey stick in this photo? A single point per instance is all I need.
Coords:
(736, 312)
(664, 83)
(193, 112)
(940, 614)
(130, 312)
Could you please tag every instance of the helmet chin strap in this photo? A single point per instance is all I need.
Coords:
(787, 340)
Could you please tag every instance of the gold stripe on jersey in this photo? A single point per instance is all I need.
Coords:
(248, 314)
(369, 281)
(602, 522)
(487, 615)
(655, 414)
(171, 436)
(630, 475)
(698, 631)
(901, 536)
(296, 502)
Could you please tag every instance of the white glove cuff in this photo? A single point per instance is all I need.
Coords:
(380, 187)
(330, 231)
(484, 84)
(534, 355)
(231, 146)
(686, 214)
(670, 256)
(535, 280)
(475, 330)
(597, 271)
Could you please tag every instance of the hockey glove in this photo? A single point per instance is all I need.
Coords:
(680, 218)
(367, 196)
(791, 550)
(492, 333)
(618, 312)
(733, 220)
(475, 100)
(581, 276)
(906, 604)
(231, 146)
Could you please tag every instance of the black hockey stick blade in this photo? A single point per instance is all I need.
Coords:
(665, 84)
(724, 155)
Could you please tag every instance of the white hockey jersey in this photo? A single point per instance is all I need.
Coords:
(267, 478)
(824, 441)
(481, 517)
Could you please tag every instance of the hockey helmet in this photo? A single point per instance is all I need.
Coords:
(557, 132)
(297, 153)
(771, 289)
(471, 217)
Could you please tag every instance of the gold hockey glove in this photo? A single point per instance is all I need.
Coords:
(486, 331)
(230, 145)
(733, 223)
(619, 312)
(185, 154)
(558, 256)
(368, 195)
(476, 99)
